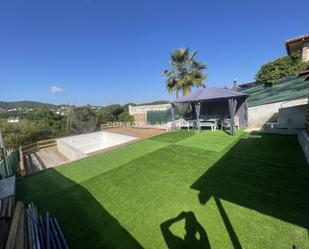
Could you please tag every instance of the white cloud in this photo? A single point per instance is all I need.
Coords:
(55, 90)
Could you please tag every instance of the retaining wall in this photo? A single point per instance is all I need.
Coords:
(303, 139)
(290, 115)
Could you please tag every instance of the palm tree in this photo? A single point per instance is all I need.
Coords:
(186, 72)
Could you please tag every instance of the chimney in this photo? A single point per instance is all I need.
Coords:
(234, 85)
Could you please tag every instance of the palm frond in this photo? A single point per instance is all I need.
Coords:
(186, 72)
(194, 53)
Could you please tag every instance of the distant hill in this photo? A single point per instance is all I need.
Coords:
(34, 104)
(25, 104)
(158, 102)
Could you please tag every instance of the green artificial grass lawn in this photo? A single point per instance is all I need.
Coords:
(181, 190)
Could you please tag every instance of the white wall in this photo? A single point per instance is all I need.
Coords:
(69, 151)
(142, 109)
(293, 117)
(259, 115)
(76, 147)
(305, 51)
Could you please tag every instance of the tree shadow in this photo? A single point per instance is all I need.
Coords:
(85, 222)
(195, 237)
(264, 172)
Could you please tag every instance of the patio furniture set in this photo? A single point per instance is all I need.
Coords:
(212, 123)
(209, 108)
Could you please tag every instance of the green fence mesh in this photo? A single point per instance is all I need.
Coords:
(159, 116)
(287, 89)
(181, 111)
(13, 162)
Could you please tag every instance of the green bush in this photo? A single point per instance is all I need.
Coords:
(273, 71)
(125, 117)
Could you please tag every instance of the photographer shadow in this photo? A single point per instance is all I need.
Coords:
(195, 237)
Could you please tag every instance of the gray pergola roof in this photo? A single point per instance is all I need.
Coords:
(209, 93)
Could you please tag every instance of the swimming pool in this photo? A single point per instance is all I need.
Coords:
(79, 146)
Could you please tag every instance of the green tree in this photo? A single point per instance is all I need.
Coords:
(24, 132)
(125, 117)
(114, 111)
(104, 116)
(84, 119)
(54, 122)
(271, 72)
(186, 72)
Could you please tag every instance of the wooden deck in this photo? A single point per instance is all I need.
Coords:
(44, 159)
(141, 133)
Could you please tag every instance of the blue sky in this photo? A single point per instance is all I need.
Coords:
(102, 52)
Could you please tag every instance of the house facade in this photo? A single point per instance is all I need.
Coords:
(13, 120)
(299, 44)
(139, 112)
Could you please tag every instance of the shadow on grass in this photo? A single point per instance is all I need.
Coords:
(195, 237)
(86, 224)
(266, 173)
(228, 225)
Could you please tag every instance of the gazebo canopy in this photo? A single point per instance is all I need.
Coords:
(209, 93)
(214, 95)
